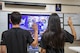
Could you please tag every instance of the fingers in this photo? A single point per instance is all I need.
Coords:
(34, 26)
(69, 21)
(69, 17)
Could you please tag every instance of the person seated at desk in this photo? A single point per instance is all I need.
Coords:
(54, 38)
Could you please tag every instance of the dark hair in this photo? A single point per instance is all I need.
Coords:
(53, 36)
(15, 17)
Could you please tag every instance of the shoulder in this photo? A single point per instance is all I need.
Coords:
(4, 32)
(25, 31)
(47, 34)
(64, 31)
(67, 34)
(12, 30)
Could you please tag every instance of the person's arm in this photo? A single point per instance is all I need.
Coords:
(3, 49)
(72, 27)
(35, 28)
(43, 50)
(3, 43)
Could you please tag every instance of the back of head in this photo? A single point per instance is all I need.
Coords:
(15, 17)
(53, 36)
(54, 23)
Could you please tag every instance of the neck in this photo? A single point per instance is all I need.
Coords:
(16, 26)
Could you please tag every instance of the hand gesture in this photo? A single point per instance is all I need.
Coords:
(69, 21)
(35, 27)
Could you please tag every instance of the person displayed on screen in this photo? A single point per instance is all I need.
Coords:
(15, 40)
(54, 38)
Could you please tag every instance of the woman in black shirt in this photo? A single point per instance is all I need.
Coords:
(54, 37)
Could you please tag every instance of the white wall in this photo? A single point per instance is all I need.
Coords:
(49, 1)
(3, 22)
(70, 9)
(36, 1)
(48, 8)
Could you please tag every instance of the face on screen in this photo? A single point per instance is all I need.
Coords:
(28, 20)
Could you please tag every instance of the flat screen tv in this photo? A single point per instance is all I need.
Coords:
(28, 19)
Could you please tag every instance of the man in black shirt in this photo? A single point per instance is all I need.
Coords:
(15, 40)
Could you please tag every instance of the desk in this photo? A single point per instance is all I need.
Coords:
(75, 48)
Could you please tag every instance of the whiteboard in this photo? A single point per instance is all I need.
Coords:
(75, 18)
(76, 23)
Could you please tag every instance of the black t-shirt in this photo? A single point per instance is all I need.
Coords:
(16, 40)
(68, 38)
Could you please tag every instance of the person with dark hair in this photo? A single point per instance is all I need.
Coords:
(15, 40)
(54, 38)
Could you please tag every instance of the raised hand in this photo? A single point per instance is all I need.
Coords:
(35, 27)
(70, 21)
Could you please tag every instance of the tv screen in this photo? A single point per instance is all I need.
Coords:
(28, 19)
